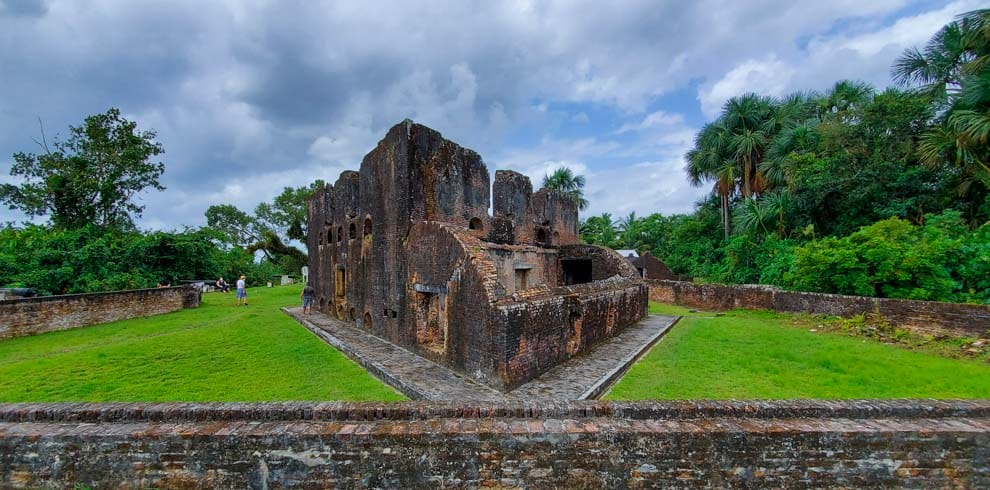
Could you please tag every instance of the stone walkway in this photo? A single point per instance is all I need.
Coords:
(585, 376)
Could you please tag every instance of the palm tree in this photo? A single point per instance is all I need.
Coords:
(844, 97)
(563, 179)
(709, 161)
(954, 71)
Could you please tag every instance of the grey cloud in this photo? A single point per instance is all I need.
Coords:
(241, 89)
(23, 8)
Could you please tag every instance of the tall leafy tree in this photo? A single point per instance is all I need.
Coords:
(564, 179)
(287, 212)
(90, 178)
(953, 70)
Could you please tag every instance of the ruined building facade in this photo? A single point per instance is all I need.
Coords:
(406, 250)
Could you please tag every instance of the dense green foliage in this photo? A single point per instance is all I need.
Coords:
(93, 258)
(86, 186)
(847, 191)
(271, 226)
(217, 352)
(91, 178)
(762, 355)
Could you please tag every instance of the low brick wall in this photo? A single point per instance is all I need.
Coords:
(927, 317)
(909, 443)
(32, 316)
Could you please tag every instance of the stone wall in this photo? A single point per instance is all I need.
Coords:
(50, 313)
(906, 443)
(926, 317)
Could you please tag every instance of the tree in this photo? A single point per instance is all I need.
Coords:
(287, 212)
(91, 178)
(953, 71)
(237, 227)
(563, 179)
(600, 230)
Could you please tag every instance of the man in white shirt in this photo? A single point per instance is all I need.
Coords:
(241, 292)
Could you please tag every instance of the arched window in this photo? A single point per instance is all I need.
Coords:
(340, 233)
(475, 224)
(330, 235)
(367, 320)
(367, 226)
(352, 231)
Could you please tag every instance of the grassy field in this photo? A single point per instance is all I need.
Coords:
(764, 355)
(217, 352)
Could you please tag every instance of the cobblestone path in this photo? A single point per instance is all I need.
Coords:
(585, 376)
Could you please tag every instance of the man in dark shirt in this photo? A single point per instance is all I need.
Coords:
(307, 298)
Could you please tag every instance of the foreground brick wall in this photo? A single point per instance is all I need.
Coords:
(927, 317)
(567, 445)
(50, 313)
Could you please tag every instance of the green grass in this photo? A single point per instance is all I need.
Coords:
(763, 355)
(217, 352)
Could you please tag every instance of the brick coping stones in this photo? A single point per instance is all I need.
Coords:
(586, 376)
(126, 412)
(580, 444)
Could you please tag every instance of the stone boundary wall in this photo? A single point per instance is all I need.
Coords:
(925, 317)
(913, 443)
(42, 314)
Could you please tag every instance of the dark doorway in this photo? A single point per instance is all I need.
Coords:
(475, 224)
(576, 271)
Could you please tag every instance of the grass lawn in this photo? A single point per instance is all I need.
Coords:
(217, 352)
(765, 355)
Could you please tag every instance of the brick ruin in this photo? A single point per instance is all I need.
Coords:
(406, 250)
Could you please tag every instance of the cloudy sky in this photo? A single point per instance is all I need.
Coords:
(248, 97)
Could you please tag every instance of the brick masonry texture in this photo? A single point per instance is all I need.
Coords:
(406, 250)
(585, 376)
(924, 317)
(51, 313)
(898, 443)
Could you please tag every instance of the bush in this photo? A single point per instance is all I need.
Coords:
(96, 259)
(939, 261)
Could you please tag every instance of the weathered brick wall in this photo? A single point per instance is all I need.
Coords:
(50, 313)
(400, 250)
(927, 317)
(564, 445)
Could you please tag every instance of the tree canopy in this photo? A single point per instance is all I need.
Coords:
(90, 178)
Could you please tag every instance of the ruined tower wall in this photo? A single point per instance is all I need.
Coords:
(551, 212)
(414, 258)
(556, 214)
(447, 183)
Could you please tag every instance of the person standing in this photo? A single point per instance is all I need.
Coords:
(241, 291)
(307, 295)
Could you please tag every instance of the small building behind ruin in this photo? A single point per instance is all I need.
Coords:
(649, 267)
(406, 249)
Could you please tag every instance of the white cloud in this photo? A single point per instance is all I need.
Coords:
(769, 76)
(827, 58)
(654, 119)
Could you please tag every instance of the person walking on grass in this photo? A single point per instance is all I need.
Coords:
(241, 291)
(307, 296)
